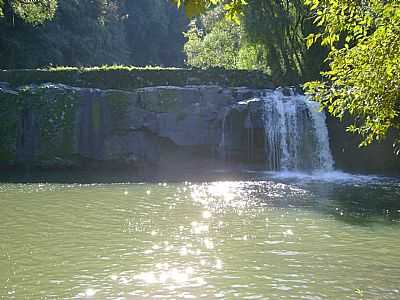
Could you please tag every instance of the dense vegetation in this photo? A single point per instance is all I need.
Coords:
(214, 41)
(131, 78)
(269, 37)
(90, 32)
(348, 51)
(32, 12)
(362, 75)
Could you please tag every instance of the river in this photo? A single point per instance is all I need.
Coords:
(256, 236)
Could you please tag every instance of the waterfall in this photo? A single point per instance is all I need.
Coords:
(296, 136)
(222, 144)
(318, 119)
(286, 130)
(250, 137)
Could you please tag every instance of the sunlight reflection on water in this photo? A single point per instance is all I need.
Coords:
(262, 239)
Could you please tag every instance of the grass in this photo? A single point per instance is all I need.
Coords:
(132, 77)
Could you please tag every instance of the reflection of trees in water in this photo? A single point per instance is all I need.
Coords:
(355, 204)
(359, 204)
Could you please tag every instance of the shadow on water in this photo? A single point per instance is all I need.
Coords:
(104, 176)
(353, 199)
(363, 205)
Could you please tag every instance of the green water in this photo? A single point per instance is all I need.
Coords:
(270, 237)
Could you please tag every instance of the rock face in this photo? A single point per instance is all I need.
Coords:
(377, 158)
(59, 126)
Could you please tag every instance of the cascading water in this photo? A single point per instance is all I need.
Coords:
(286, 130)
(324, 159)
(296, 136)
(222, 144)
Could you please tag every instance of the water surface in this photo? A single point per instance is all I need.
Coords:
(265, 236)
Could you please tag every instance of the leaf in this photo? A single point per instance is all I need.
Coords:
(310, 40)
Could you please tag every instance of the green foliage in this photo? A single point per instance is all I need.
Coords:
(218, 48)
(31, 12)
(363, 80)
(94, 32)
(281, 26)
(54, 111)
(233, 8)
(214, 41)
(194, 7)
(35, 12)
(269, 37)
(131, 78)
(253, 56)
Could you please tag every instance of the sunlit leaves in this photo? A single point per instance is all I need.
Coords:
(194, 7)
(311, 39)
(1, 8)
(234, 8)
(364, 76)
(213, 47)
(32, 12)
(214, 41)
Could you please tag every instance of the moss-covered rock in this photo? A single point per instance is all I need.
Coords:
(52, 110)
(119, 103)
(56, 126)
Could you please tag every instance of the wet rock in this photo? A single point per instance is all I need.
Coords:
(62, 123)
(59, 126)
(133, 147)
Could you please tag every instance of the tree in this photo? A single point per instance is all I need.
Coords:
(96, 32)
(218, 48)
(81, 33)
(154, 32)
(269, 37)
(32, 12)
(233, 8)
(214, 41)
(281, 26)
(363, 80)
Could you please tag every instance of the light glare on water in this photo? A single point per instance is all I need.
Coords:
(272, 238)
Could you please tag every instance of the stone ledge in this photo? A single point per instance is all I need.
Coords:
(131, 78)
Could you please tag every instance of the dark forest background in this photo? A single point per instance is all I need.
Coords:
(96, 32)
(269, 38)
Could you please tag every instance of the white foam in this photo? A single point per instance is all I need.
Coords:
(337, 177)
(296, 136)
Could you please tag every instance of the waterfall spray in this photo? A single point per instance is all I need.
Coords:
(296, 137)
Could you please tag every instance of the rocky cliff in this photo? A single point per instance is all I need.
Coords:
(60, 126)
(54, 125)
